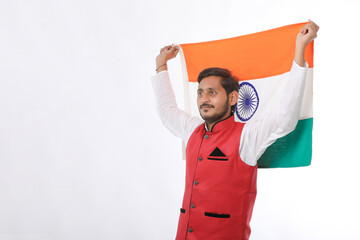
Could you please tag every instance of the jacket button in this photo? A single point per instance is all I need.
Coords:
(196, 182)
(206, 136)
(192, 205)
(200, 158)
(190, 230)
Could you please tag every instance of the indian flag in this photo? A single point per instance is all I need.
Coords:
(262, 62)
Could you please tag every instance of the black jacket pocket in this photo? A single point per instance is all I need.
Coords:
(209, 214)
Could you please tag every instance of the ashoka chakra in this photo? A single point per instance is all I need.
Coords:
(248, 101)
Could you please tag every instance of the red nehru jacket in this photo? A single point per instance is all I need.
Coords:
(220, 189)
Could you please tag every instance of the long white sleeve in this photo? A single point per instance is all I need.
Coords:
(258, 135)
(176, 120)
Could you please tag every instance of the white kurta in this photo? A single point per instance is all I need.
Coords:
(256, 135)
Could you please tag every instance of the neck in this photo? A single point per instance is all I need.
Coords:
(209, 125)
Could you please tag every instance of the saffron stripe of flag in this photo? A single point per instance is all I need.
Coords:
(264, 60)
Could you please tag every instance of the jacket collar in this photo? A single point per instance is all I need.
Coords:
(221, 125)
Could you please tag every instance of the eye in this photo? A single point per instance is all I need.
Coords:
(212, 92)
(200, 93)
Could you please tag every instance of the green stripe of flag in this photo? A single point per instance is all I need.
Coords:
(292, 150)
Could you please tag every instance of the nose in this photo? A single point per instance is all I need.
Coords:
(205, 98)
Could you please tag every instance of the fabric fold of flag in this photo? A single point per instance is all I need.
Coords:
(261, 61)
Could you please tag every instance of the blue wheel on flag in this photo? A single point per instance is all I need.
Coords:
(248, 101)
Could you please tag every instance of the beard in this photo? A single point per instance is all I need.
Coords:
(216, 116)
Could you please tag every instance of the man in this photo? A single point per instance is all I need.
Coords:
(221, 154)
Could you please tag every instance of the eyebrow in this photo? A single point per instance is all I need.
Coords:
(200, 89)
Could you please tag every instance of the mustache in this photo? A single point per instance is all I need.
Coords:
(206, 105)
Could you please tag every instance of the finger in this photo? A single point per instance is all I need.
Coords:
(174, 51)
(175, 48)
(308, 28)
(314, 25)
(171, 49)
(304, 29)
(176, 45)
(165, 48)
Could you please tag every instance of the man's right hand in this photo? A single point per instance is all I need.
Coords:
(166, 53)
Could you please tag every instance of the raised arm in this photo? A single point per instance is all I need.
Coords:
(289, 112)
(174, 119)
(258, 135)
(307, 33)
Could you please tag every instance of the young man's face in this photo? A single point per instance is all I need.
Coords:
(212, 100)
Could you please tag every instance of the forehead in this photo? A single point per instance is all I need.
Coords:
(213, 82)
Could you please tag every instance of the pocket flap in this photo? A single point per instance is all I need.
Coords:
(209, 214)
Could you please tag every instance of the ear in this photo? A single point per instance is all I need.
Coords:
(233, 97)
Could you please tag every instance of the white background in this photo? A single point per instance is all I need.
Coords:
(83, 154)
